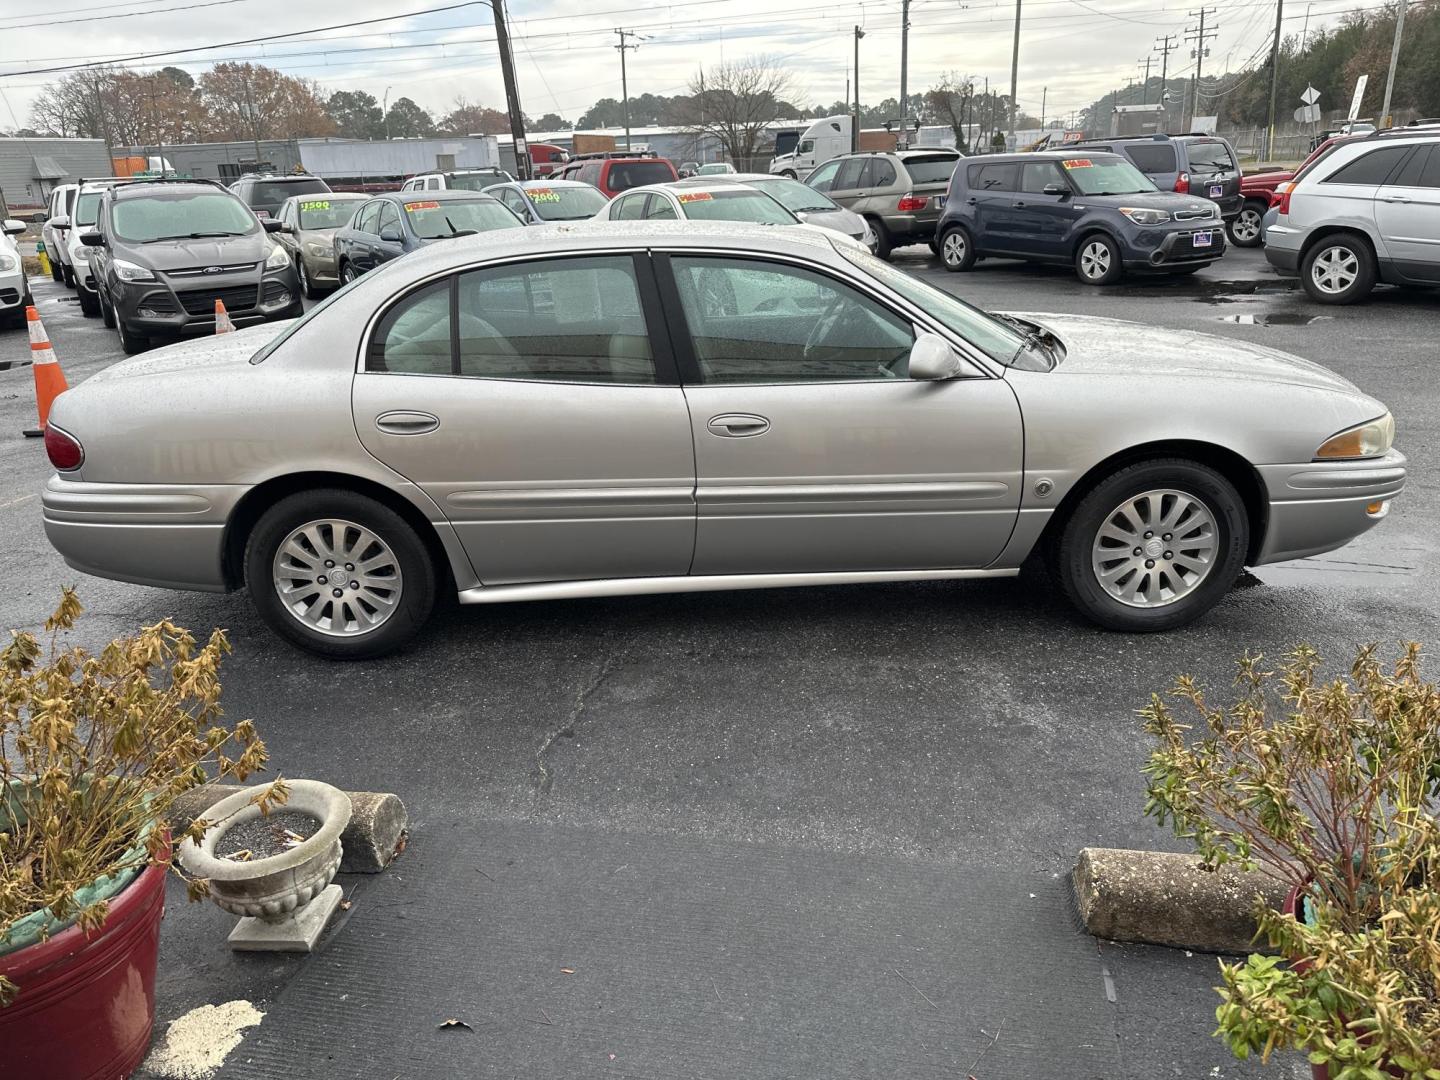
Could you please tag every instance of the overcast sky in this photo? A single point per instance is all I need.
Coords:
(1071, 51)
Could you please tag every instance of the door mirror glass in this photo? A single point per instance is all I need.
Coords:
(92, 239)
(60, 221)
(932, 358)
(1056, 189)
(273, 225)
(391, 234)
(13, 227)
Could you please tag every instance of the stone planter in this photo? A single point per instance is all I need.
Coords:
(285, 900)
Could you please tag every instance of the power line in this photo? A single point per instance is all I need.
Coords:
(125, 15)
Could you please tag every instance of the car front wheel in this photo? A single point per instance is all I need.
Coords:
(339, 574)
(1338, 270)
(347, 273)
(130, 342)
(306, 285)
(957, 252)
(1153, 546)
(1097, 261)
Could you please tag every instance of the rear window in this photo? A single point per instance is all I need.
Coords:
(1156, 158)
(477, 181)
(931, 168)
(625, 175)
(1210, 155)
(269, 194)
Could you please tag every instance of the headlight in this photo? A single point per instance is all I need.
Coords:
(129, 271)
(319, 250)
(8, 263)
(1142, 216)
(1365, 440)
(278, 259)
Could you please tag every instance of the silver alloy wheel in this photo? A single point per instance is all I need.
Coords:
(1095, 259)
(337, 577)
(1247, 225)
(1155, 548)
(1335, 269)
(953, 248)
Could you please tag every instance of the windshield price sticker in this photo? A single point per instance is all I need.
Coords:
(315, 204)
(697, 196)
(543, 195)
(413, 206)
(1078, 163)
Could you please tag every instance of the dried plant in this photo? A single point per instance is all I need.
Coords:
(1330, 786)
(94, 750)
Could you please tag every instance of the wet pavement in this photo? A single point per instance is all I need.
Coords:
(774, 834)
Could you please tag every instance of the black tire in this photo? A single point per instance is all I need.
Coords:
(957, 249)
(131, 342)
(883, 243)
(56, 273)
(68, 275)
(107, 312)
(1094, 268)
(417, 574)
(1351, 260)
(306, 285)
(789, 174)
(1244, 229)
(89, 304)
(347, 273)
(1073, 552)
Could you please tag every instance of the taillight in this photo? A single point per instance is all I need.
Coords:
(1182, 183)
(910, 203)
(63, 449)
(1281, 198)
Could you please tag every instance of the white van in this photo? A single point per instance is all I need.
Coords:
(60, 204)
(821, 141)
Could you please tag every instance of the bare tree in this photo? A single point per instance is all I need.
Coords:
(949, 100)
(733, 102)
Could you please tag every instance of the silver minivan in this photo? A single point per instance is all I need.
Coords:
(1366, 212)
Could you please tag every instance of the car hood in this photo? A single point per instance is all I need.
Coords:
(1099, 346)
(841, 220)
(218, 350)
(1148, 200)
(166, 255)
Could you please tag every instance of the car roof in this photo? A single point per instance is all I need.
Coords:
(151, 185)
(443, 195)
(1042, 155)
(692, 183)
(542, 182)
(289, 178)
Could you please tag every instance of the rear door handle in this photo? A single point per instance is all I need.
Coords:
(1018, 205)
(1396, 198)
(738, 425)
(401, 422)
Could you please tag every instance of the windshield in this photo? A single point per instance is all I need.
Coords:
(326, 213)
(566, 203)
(179, 215)
(996, 339)
(1210, 156)
(627, 174)
(434, 220)
(87, 208)
(269, 194)
(930, 168)
(1102, 176)
(754, 206)
(793, 195)
(478, 181)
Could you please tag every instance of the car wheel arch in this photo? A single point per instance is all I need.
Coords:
(1328, 232)
(1086, 231)
(260, 498)
(1232, 466)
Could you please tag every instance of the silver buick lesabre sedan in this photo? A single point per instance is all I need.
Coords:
(602, 409)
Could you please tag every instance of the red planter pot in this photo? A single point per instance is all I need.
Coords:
(87, 1001)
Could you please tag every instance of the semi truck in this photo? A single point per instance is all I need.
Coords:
(818, 143)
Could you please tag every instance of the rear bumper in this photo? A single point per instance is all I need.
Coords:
(912, 228)
(1282, 247)
(1320, 506)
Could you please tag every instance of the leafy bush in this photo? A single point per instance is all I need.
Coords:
(1328, 785)
(94, 751)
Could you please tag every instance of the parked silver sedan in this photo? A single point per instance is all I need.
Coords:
(592, 409)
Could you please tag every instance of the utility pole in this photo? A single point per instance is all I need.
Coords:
(1145, 95)
(254, 127)
(1274, 81)
(1394, 59)
(624, 83)
(855, 123)
(1199, 37)
(904, 70)
(385, 111)
(1171, 43)
(1014, 70)
(1044, 100)
(512, 93)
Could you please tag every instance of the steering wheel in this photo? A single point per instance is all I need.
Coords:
(821, 333)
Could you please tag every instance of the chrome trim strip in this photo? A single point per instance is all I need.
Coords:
(65, 503)
(780, 492)
(533, 498)
(680, 583)
(1347, 480)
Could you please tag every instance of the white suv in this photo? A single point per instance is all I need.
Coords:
(82, 221)
(14, 288)
(58, 208)
(459, 179)
(1367, 211)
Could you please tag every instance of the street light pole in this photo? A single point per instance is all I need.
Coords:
(855, 123)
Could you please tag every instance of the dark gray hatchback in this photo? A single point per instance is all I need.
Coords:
(163, 251)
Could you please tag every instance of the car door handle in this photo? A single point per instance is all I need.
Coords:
(1396, 198)
(1020, 205)
(400, 422)
(971, 201)
(738, 425)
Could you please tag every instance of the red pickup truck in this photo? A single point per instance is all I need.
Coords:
(1258, 192)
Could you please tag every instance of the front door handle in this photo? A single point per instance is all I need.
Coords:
(401, 422)
(972, 201)
(1021, 205)
(1396, 198)
(738, 425)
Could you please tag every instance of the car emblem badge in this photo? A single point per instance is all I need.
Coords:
(1153, 548)
(213, 269)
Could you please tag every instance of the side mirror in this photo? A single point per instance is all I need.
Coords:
(13, 227)
(274, 225)
(391, 235)
(60, 221)
(933, 359)
(92, 239)
(1056, 189)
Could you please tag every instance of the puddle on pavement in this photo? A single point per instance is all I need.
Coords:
(1274, 318)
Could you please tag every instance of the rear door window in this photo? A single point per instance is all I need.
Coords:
(1153, 158)
(848, 178)
(1371, 169)
(994, 177)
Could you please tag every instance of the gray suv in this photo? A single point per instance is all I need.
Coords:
(1367, 211)
(900, 194)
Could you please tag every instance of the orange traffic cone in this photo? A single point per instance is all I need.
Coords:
(49, 379)
(223, 325)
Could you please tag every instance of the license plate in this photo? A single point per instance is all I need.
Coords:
(1200, 239)
(1216, 190)
(940, 202)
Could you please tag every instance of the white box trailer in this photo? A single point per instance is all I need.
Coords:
(363, 159)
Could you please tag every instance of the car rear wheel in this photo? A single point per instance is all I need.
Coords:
(1338, 270)
(957, 252)
(1097, 262)
(1245, 228)
(1153, 546)
(883, 242)
(339, 574)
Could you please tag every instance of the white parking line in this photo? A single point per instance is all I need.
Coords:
(17, 502)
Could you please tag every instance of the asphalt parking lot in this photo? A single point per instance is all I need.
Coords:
(793, 833)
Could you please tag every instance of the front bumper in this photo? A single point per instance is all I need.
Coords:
(1152, 249)
(187, 306)
(14, 293)
(1322, 505)
(322, 269)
